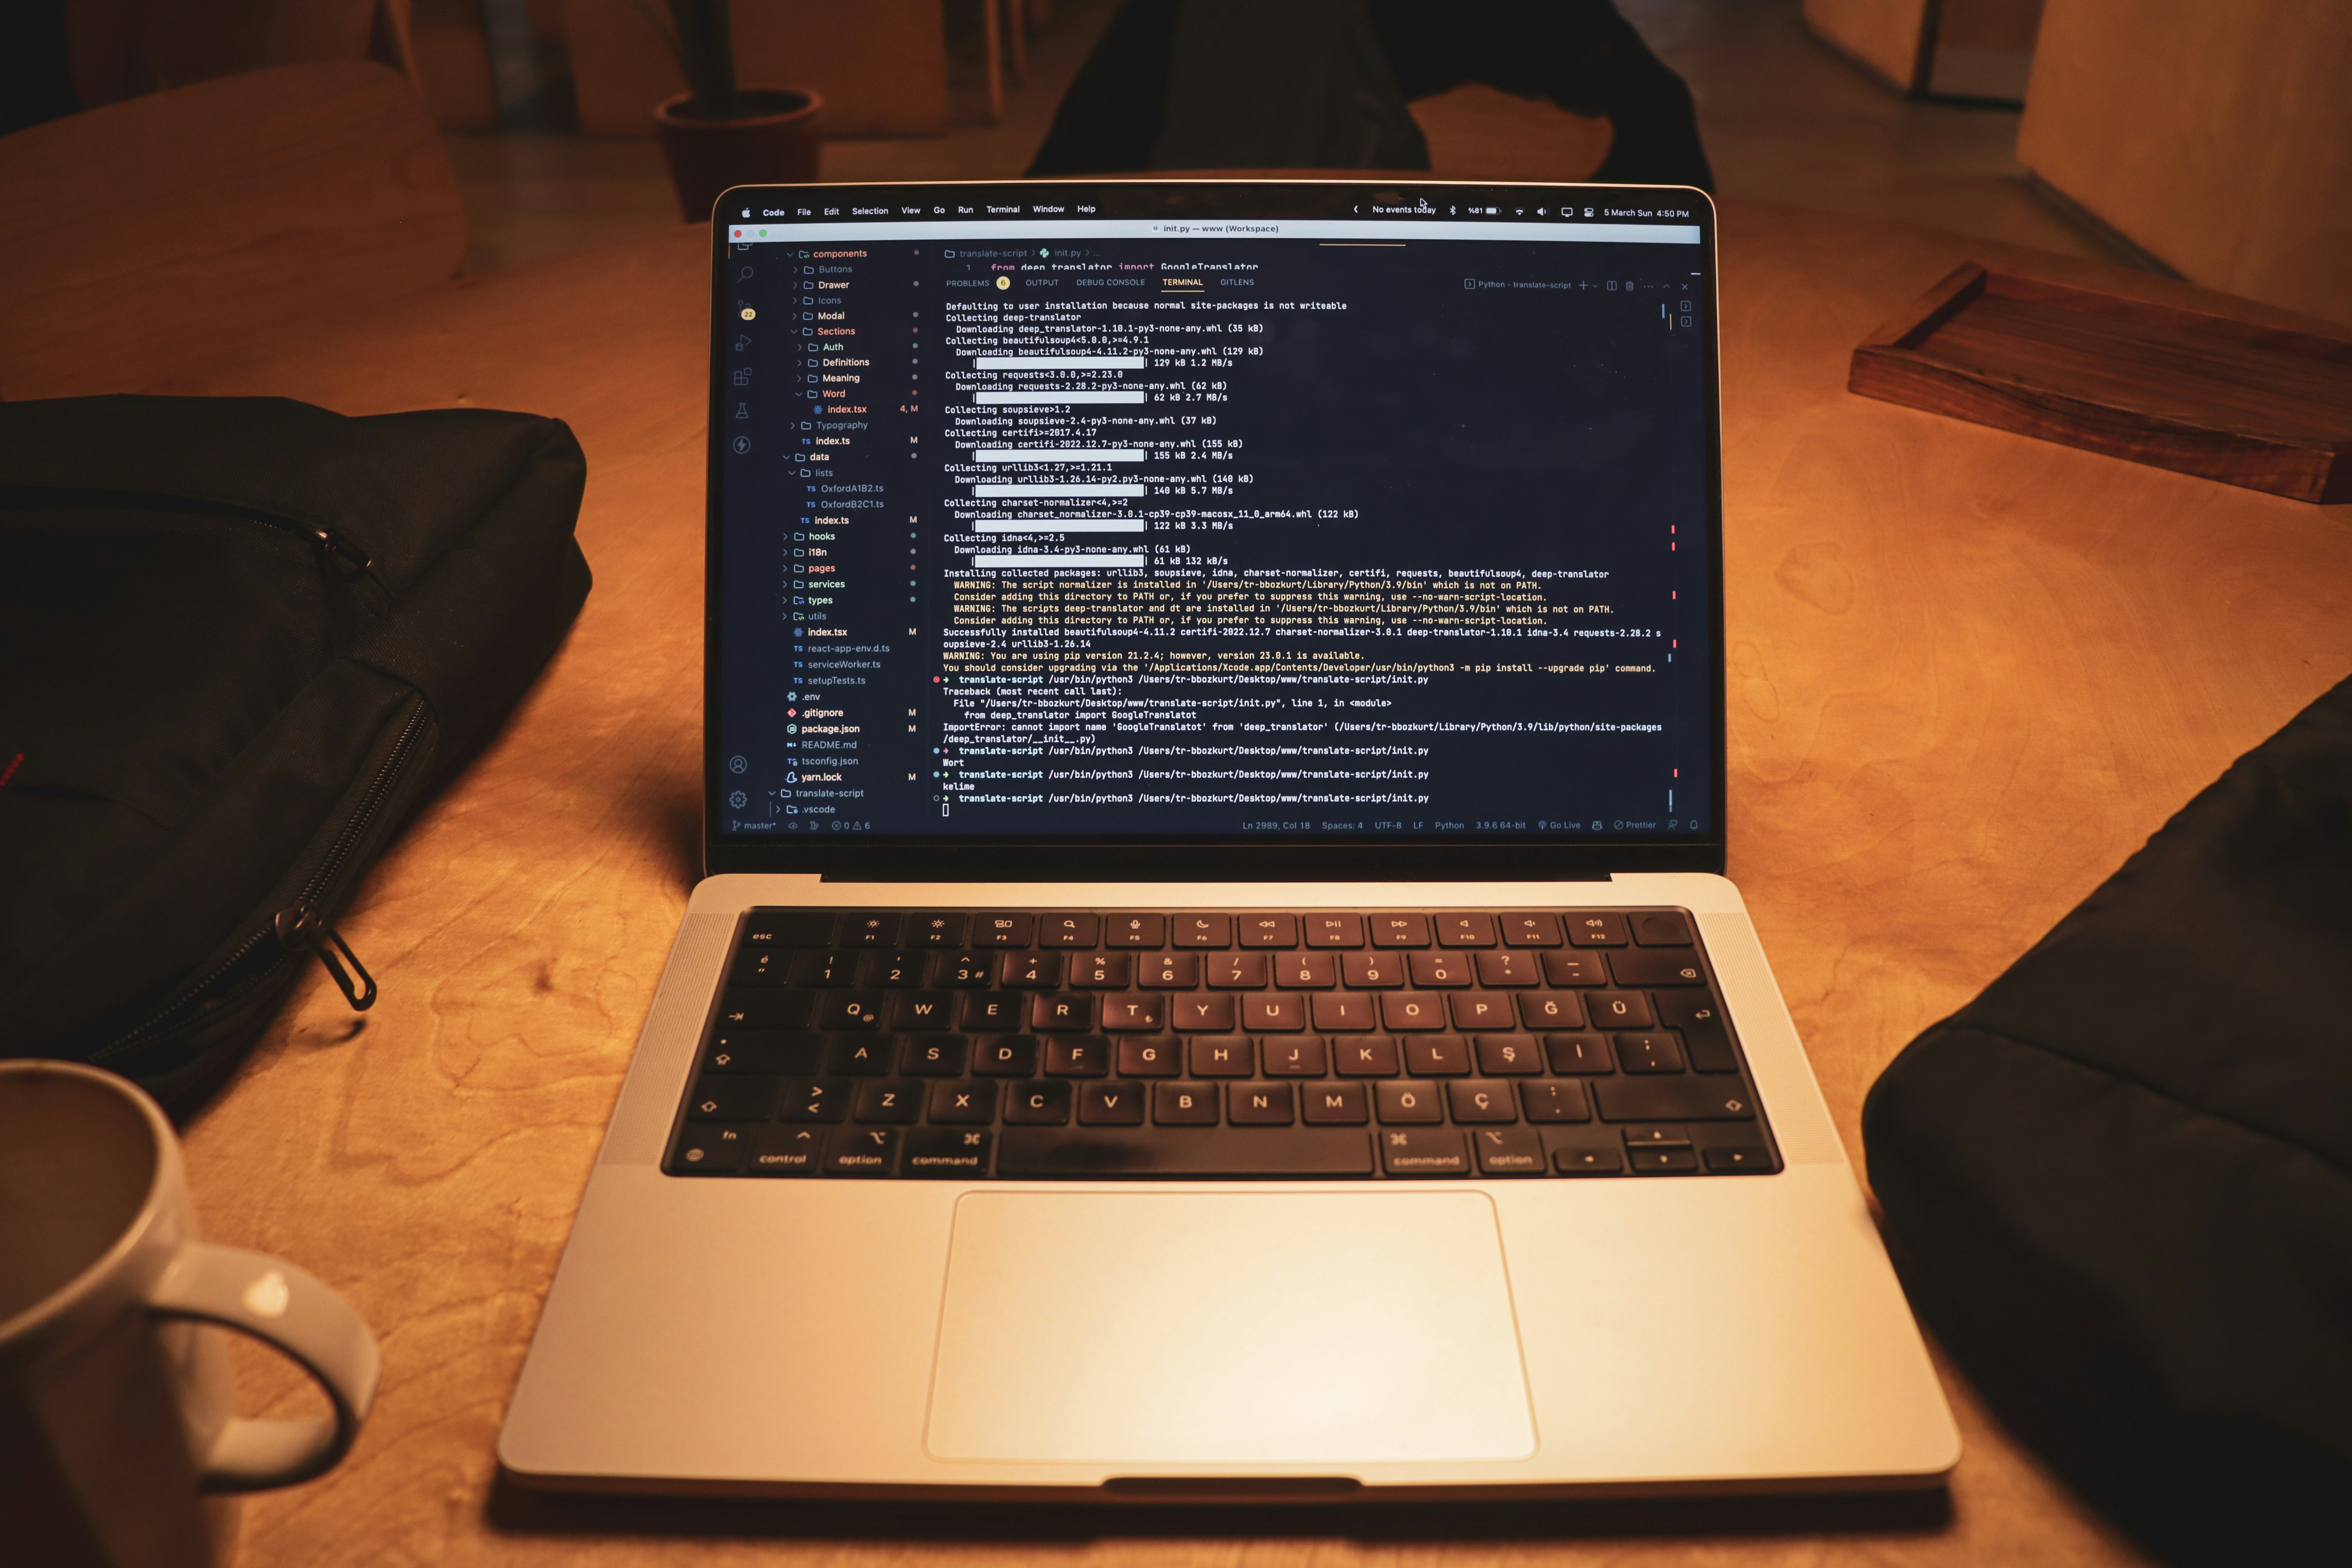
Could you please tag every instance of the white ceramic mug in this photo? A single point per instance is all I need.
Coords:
(117, 1403)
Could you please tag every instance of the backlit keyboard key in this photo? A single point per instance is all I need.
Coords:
(861, 1056)
(1302, 1056)
(1204, 930)
(1210, 1012)
(1406, 1153)
(1004, 930)
(1276, 1012)
(966, 1102)
(941, 930)
(1554, 1100)
(1535, 929)
(1184, 1104)
(1267, 930)
(1618, 1010)
(1338, 1013)
(1235, 971)
(1135, 931)
(934, 1056)
(1551, 1010)
(1258, 1104)
(732, 1098)
(871, 928)
(921, 1010)
(1437, 1055)
(1509, 970)
(1507, 1151)
(1006, 1056)
(1569, 967)
(1445, 969)
(1041, 1104)
(1656, 966)
(1144, 1013)
(893, 1101)
(1228, 1055)
(1465, 930)
(1515, 1056)
(1117, 1104)
(1101, 970)
(1169, 970)
(1159, 1056)
(1061, 1013)
(993, 1012)
(1335, 930)
(1472, 1101)
(1649, 1051)
(1078, 1055)
(1578, 1054)
(1032, 971)
(1307, 971)
(1476, 1010)
(1332, 1104)
(1413, 1011)
(1587, 928)
(1407, 1103)
(1068, 930)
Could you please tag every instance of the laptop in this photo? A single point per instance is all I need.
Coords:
(1215, 978)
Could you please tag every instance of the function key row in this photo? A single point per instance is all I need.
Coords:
(794, 927)
(912, 969)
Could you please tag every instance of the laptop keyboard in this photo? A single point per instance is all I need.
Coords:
(1201, 1044)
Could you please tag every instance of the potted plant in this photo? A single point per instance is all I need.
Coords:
(718, 133)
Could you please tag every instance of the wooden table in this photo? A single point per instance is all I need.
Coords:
(1969, 673)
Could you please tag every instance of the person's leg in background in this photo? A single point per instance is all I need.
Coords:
(1111, 116)
(1580, 53)
(1243, 84)
(1234, 84)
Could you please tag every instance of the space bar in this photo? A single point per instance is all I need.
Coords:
(1184, 1152)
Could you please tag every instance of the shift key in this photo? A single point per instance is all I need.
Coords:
(1677, 1099)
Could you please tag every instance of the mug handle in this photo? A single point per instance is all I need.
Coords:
(292, 1309)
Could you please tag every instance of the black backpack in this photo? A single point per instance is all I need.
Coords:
(2120, 1180)
(240, 639)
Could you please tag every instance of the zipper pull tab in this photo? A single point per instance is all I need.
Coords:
(301, 927)
(335, 542)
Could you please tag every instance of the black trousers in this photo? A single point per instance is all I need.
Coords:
(1149, 75)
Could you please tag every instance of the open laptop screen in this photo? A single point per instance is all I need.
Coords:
(1214, 513)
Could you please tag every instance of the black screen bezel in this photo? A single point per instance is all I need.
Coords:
(947, 858)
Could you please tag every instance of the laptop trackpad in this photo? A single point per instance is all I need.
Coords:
(1228, 1329)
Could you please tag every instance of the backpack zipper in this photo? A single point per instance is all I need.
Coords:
(321, 535)
(300, 926)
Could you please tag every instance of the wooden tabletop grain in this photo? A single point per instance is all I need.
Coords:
(1970, 672)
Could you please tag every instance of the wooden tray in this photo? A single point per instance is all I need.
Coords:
(2247, 403)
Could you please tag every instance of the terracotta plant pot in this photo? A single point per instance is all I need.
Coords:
(777, 144)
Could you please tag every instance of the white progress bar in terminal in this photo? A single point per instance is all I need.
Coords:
(1060, 454)
(1064, 397)
(1091, 562)
(1057, 525)
(1102, 489)
(1058, 361)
